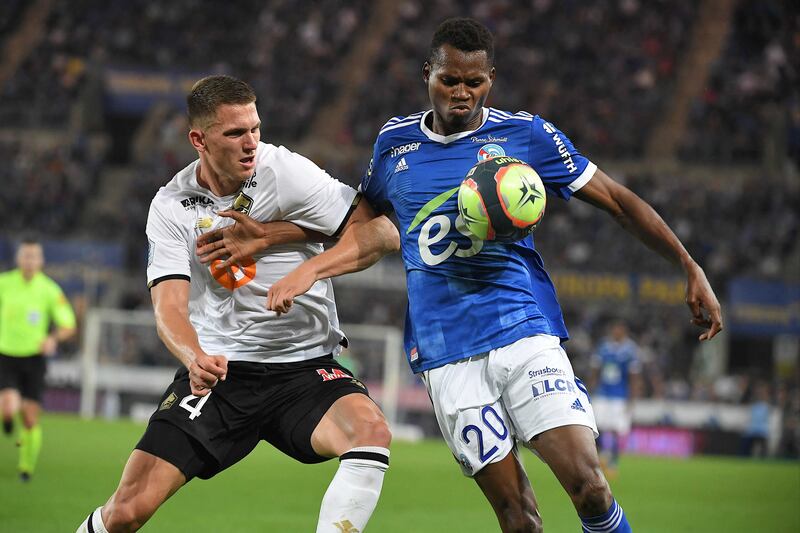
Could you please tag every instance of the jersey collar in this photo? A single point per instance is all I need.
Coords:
(447, 139)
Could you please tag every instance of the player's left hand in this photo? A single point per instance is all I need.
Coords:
(48, 346)
(282, 293)
(235, 243)
(700, 297)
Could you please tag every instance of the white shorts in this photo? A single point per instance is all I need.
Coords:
(613, 414)
(518, 391)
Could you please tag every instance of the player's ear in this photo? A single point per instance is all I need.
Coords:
(426, 72)
(198, 139)
(491, 75)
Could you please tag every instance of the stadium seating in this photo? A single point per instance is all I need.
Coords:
(750, 107)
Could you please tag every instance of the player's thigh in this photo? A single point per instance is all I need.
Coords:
(9, 401)
(542, 391)
(201, 436)
(472, 418)
(506, 486)
(571, 454)
(147, 482)
(305, 391)
(353, 420)
(32, 378)
(9, 384)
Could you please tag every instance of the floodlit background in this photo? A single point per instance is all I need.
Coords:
(692, 104)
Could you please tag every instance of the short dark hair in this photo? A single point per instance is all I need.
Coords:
(465, 34)
(213, 91)
(27, 240)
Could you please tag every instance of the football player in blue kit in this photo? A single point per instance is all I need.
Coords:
(616, 368)
(484, 327)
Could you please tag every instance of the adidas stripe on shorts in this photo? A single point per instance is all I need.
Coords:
(485, 403)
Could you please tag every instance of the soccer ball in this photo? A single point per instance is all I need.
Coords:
(501, 199)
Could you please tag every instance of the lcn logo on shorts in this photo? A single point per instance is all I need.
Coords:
(333, 374)
(549, 386)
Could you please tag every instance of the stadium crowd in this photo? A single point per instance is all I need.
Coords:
(543, 48)
(751, 105)
(287, 53)
(46, 188)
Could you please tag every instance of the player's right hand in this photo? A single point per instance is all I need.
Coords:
(235, 243)
(703, 303)
(205, 372)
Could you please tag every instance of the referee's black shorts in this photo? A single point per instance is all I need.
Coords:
(281, 403)
(24, 374)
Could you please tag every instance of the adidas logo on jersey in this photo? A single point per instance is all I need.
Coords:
(401, 165)
(577, 405)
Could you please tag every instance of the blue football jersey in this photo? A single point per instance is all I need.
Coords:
(467, 296)
(616, 361)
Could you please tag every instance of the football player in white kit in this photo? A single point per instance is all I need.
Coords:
(250, 373)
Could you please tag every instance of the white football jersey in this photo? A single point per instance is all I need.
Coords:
(228, 307)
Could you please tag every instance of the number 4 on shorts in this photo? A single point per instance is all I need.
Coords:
(194, 410)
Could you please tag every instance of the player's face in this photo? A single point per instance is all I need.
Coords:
(458, 85)
(30, 259)
(619, 332)
(230, 141)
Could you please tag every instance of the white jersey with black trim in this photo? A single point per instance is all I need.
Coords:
(227, 307)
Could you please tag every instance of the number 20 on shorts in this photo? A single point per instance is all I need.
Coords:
(489, 422)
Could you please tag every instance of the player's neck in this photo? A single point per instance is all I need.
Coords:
(440, 127)
(216, 183)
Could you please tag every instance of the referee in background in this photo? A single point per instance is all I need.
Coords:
(29, 302)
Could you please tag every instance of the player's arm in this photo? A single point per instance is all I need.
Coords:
(64, 319)
(640, 219)
(365, 239)
(171, 307)
(246, 237)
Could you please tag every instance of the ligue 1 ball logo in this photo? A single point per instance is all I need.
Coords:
(488, 151)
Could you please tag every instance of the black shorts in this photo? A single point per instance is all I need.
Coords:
(281, 403)
(25, 374)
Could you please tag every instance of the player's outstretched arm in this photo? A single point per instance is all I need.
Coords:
(171, 306)
(364, 240)
(640, 219)
(247, 237)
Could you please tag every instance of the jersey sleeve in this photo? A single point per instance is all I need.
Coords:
(373, 183)
(60, 309)
(562, 168)
(309, 197)
(635, 363)
(168, 253)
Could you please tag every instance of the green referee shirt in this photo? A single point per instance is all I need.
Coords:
(26, 309)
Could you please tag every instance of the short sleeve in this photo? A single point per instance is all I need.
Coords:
(373, 184)
(60, 310)
(309, 197)
(634, 364)
(168, 253)
(562, 168)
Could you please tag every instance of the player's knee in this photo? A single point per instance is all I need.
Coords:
(122, 515)
(591, 495)
(372, 430)
(368, 427)
(519, 519)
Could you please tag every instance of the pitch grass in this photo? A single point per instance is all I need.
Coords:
(424, 490)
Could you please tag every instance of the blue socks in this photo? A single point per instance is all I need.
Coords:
(613, 521)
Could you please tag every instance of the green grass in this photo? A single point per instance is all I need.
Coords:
(424, 490)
